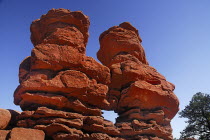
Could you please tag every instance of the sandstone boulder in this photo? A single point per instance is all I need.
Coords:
(62, 91)
(68, 83)
(60, 87)
(142, 97)
(62, 25)
(5, 118)
(122, 39)
(26, 134)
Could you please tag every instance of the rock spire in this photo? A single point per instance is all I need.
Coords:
(141, 96)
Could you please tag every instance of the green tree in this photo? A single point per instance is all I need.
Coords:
(198, 115)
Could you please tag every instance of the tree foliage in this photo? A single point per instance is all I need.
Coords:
(198, 115)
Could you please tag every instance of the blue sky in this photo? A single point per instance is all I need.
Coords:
(175, 37)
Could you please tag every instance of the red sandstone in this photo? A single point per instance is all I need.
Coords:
(62, 91)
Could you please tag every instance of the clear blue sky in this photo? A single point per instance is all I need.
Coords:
(175, 33)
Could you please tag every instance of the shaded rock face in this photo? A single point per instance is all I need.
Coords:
(62, 91)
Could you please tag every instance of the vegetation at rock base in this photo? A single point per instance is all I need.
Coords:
(198, 115)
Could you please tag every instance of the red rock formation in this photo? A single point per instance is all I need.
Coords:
(26, 134)
(8, 118)
(142, 97)
(11, 132)
(5, 117)
(62, 91)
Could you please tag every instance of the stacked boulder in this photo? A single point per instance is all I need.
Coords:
(142, 97)
(7, 118)
(62, 91)
(9, 131)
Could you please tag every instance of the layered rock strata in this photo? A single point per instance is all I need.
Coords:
(141, 96)
(62, 91)
(10, 131)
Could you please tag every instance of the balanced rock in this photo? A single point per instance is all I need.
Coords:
(119, 40)
(63, 27)
(141, 96)
(56, 73)
(62, 91)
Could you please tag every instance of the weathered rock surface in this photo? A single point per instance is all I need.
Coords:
(4, 134)
(26, 134)
(5, 118)
(63, 27)
(22, 134)
(58, 74)
(142, 97)
(53, 121)
(8, 118)
(62, 91)
(119, 40)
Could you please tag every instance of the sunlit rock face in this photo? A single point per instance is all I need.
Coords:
(62, 91)
(141, 96)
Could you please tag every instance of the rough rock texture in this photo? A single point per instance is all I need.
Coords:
(120, 39)
(8, 118)
(26, 134)
(62, 91)
(4, 134)
(73, 124)
(5, 117)
(22, 134)
(142, 97)
(61, 76)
